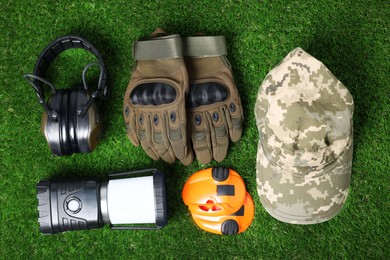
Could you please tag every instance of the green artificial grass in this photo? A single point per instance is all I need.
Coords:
(350, 37)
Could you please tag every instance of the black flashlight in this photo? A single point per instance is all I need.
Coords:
(66, 205)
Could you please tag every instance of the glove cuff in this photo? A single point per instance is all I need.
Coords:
(167, 47)
(204, 46)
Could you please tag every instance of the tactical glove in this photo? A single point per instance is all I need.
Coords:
(213, 101)
(154, 102)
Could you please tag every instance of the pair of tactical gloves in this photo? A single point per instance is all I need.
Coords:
(182, 98)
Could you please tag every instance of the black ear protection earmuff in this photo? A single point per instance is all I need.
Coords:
(71, 122)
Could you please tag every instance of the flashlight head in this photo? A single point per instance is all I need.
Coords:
(68, 205)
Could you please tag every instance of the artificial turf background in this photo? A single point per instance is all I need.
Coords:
(350, 37)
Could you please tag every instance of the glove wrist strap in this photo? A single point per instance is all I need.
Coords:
(160, 48)
(205, 46)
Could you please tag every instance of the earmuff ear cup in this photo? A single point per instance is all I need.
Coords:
(95, 127)
(82, 122)
(64, 123)
(73, 118)
(89, 126)
(71, 133)
(50, 128)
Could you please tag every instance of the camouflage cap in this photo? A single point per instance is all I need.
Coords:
(304, 157)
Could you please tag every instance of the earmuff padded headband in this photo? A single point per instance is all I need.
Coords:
(58, 46)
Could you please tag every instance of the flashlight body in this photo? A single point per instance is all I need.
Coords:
(68, 205)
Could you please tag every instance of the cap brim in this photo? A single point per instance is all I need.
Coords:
(308, 199)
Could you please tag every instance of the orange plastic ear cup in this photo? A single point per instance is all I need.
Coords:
(214, 192)
(232, 224)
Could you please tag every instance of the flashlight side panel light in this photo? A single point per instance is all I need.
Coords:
(160, 205)
(125, 203)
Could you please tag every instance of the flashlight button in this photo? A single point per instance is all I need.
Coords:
(73, 205)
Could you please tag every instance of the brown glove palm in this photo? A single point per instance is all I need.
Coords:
(154, 102)
(213, 101)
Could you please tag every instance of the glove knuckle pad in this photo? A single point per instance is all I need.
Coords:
(206, 93)
(153, 93)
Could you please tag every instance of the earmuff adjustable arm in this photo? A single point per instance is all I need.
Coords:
(85, 108)
(100, 90)
(30, 78)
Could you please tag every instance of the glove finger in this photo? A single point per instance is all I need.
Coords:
(188, 159)
(144, 133)
(160, 138)
(234, 119)
(130, 123)
(219, 134)
(177, 132)
(201, 137)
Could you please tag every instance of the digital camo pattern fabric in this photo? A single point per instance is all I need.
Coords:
(304, 159)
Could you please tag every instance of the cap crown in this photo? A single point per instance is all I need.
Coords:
(304, 114)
